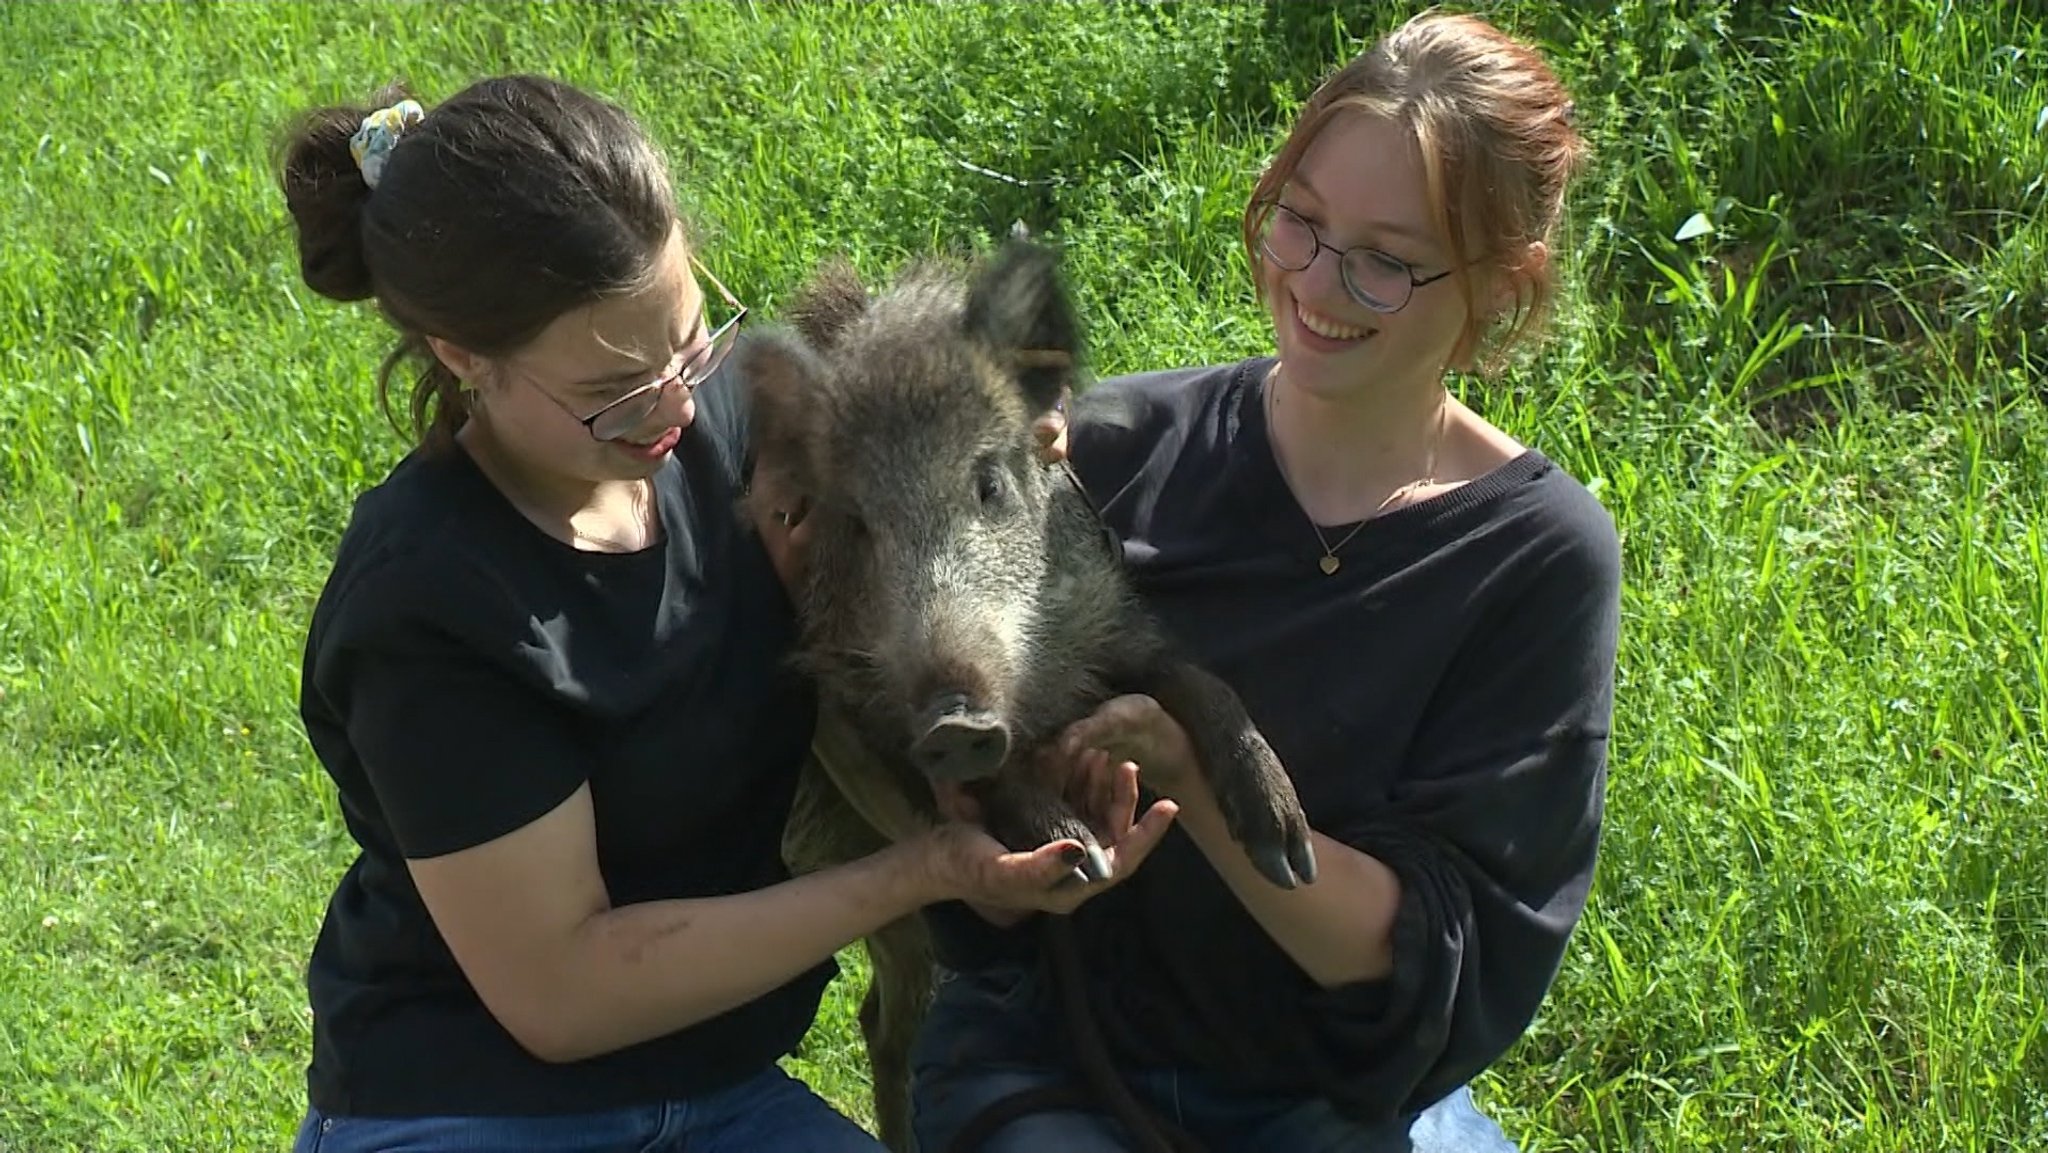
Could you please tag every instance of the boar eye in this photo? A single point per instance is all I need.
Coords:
(849, 519)
(988, 486)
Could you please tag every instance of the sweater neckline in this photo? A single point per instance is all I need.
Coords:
(1244, 412)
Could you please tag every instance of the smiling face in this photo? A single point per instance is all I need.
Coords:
(590, 357)
(1361, 183)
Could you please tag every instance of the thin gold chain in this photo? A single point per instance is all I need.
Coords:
(642, 503)
(1329, 562)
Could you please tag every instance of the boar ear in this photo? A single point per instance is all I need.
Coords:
(785, 385)
(1019, 308)
(827, 304)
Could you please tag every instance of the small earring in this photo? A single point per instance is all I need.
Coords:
(793, 517)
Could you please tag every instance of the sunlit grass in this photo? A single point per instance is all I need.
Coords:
(1820, 921)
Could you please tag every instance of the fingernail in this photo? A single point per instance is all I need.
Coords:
(1073, 855)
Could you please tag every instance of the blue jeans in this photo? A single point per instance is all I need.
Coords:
(988, 1036)
(770, 1111)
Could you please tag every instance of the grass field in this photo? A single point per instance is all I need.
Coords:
(1822, 916)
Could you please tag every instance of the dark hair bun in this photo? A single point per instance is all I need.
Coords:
(324, 190)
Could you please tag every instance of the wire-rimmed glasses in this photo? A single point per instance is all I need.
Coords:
(631, 410)
(1378, 280)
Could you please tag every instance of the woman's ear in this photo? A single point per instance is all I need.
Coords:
(1505, 290)
(1512, 286)
(469, 368)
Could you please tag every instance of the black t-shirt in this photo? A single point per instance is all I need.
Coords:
(1441, 702)
(464, 674)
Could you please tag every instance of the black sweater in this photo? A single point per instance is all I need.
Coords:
(465, 674)
(1441, 702)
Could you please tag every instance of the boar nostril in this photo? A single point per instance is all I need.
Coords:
(958, 744)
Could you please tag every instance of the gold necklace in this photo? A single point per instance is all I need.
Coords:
(615, 544)
(641, 492)
(503, 475)
(1329, 561)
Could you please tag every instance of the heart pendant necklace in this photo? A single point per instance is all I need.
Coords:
(1330, 562)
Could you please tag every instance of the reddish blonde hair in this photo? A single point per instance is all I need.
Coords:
(1499, 148)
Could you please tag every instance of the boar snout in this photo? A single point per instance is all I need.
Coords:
(958, 742)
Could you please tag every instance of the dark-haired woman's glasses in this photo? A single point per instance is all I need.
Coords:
(630, 411)
(1378, 280)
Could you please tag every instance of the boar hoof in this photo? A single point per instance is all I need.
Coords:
(1284, 867)
(1094, 866)
(1264, 818)
(1279, 847)
(958, 743)
(1302, 855)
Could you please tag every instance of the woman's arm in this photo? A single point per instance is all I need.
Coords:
(571, 976)
(1494, 819)
(480, 785)
(1339, 929)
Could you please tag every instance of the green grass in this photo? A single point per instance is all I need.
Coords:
(1821, 918)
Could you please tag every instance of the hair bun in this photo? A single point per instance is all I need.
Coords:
(325, 192)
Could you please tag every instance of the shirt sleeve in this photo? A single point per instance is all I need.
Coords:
(1492, 832)
(1111, 431)
(445, 706)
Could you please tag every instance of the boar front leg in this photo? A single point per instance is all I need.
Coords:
(848, 806)
(1252, 789)
(899, 995)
